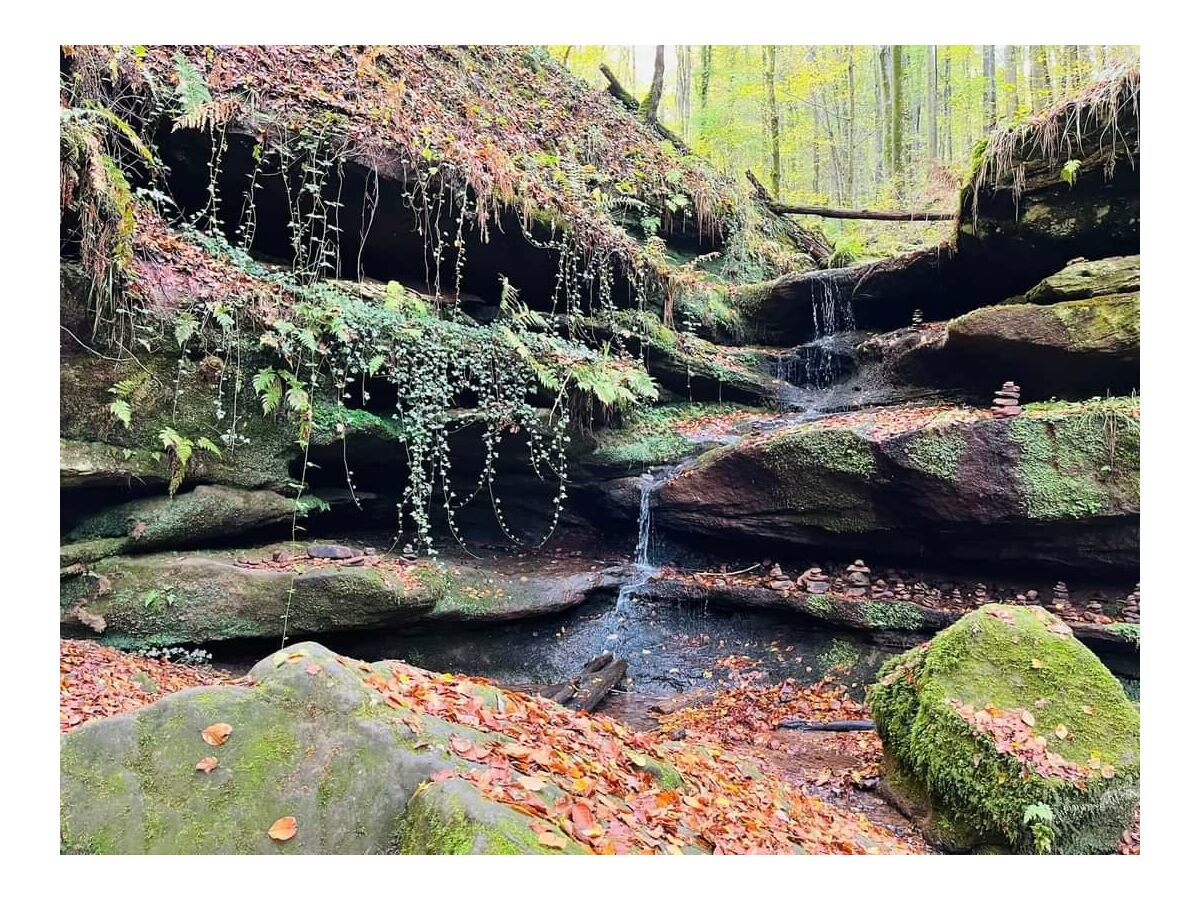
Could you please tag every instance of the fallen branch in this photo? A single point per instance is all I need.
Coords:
(813, 725)
(730, 574)
(811, 242)
(880, 215)
(630, 102)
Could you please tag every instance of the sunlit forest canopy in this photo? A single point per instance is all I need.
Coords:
(889, 126)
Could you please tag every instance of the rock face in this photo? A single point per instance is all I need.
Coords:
(1084, 278)
(209, 511)
(1073, 348)
(1058, 484)
(310, 739)
(165, 599)
(1002, 712)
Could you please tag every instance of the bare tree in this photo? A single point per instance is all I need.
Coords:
(989, 85)
(650, 104)
(1012, 97)
(772, 117)
(931, 95)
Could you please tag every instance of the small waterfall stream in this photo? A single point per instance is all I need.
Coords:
(643, 569)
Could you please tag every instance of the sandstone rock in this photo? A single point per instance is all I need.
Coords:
(346, 769)
(952, 713)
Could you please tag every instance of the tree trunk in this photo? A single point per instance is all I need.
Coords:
(705, 74)
(947, 108)
(880, 124)
(1012, 97)
(650, 104)
(772, 118)
(1041, 88)
(851, 149)
(885, 70)
(683, 87)
(898, 118)
(989, 85)
(931, 94)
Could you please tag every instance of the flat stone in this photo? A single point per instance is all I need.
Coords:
(332, 551)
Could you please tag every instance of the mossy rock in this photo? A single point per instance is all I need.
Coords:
(321, 747)
(164, 599)
(1085, 278)
(187, 519)
(170, 393)
(1057, 484)
(653, 436)
(1002, 660)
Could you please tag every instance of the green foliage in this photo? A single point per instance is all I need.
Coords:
(1040, 819)
(1069, 171)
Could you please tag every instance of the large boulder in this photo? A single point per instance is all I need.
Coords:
(165, 599)
(1084, 278)
(1005, 731)
(1057, 484)
(1074, 348)
(312, 739)
(187, 519)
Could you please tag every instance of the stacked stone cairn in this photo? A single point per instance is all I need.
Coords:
(778, 581)
(858, 579)
(814, 581)
(1062, 598)
(1132, 610)
(918, 317)
(981, 595)
(1008, 400)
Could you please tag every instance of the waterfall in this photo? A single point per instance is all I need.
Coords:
(815, 364)
(643, 569)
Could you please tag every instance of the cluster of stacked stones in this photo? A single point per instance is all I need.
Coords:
(856, 583)
(1008, 400)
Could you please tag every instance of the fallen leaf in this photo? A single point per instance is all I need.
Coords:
(1037, 664)
(1061, 731)
(1107, 771)
(530, 783)
(550, 839)
(207, 764)
(312, 669)
(283, 830)
(1027, 718)
(216, 735)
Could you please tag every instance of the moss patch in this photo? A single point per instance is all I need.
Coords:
(989, 662)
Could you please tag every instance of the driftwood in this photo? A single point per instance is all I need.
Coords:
(811, 242)
(588, 689)
(681, 701)
(630, 102)
(813, 725)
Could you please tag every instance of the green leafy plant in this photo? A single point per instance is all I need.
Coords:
(121, 406)
(1040, 819)
(1069, 171)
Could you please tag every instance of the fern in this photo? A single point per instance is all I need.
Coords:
(269, 387)
(122, 411)
(197, 108)
(180, 450)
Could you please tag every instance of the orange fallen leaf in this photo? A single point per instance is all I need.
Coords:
(1107, 771)
(207, 764)
(312, 669)
(550, 839)
(283, 830)
(216, 735)
(530, 783)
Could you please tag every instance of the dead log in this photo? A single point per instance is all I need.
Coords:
(879, 215)
(682, 701)
(594, 687)
(813, 725)
(811, 242)
(630, 102)
(566, 694)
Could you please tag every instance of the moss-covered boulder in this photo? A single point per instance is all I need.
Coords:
(164, 599)
(310, 739)
(187, 519)
(1073, 348)
(1057, 484)
(1084, 278)
(1008, 732)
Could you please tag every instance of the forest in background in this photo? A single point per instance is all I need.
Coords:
(885, 127)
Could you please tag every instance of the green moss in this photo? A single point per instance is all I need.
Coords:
(1078, 460)
(1130, 632)
(937, 451)
(820, 604)
(824, 474)
(984, 661)
(840, 656)
(651, 436)
(893, 616)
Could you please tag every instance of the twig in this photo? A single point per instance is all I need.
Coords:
(727, 574)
